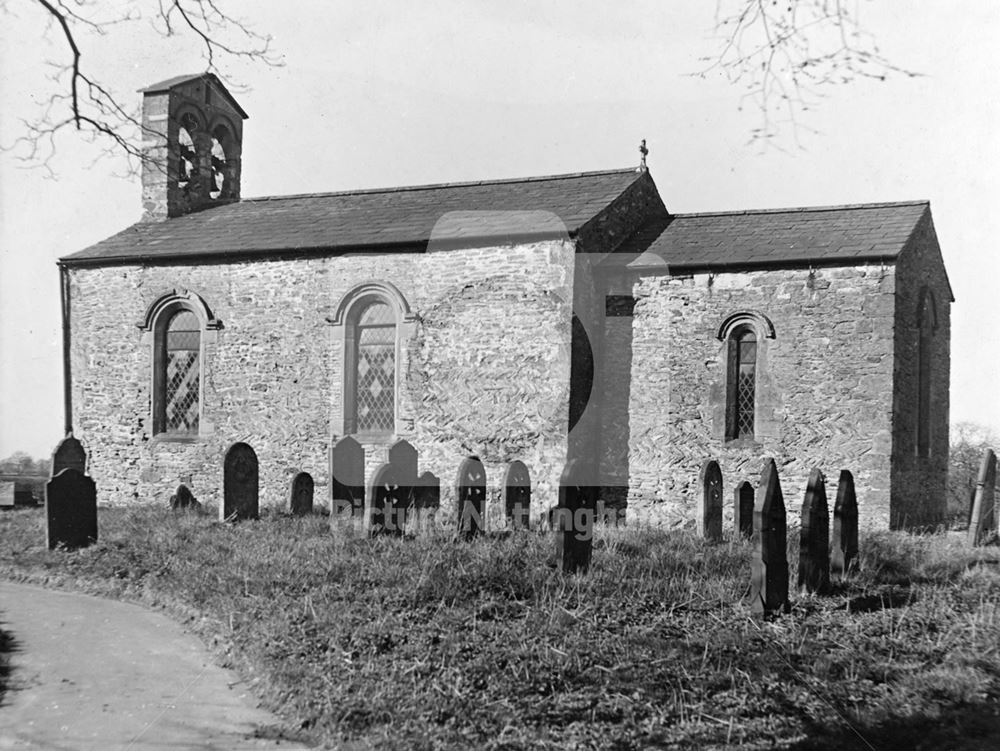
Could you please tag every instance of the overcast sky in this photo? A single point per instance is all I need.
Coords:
(395, 93)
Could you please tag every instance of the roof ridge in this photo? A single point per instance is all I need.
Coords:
(437, 186)
(806, 209)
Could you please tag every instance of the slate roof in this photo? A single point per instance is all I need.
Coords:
(780, 237)
(396, 218)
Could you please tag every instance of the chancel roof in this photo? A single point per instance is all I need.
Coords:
(780, 237)
(368, 220)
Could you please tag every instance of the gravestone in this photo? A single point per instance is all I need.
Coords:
(387, 503)
(573, 518)
(710, 513)
(403, 458)
(240, 484)
(769, 564)
(470, 495)
(814, 540)
(517, 495)
(426, 498)
(301, 501)
(844, 553)
(183, 499)
(69, 454)
(743, 510)
(70, 510)
(347, 479)
(984, 520)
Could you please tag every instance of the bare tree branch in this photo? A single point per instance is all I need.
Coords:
(786, 54)
(82, 101)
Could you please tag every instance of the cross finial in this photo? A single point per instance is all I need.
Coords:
(644, 151)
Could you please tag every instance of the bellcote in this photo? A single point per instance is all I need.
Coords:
(192, 145)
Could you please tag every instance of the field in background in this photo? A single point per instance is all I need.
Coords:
(433, 642)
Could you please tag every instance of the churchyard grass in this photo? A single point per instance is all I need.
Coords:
(439, 643)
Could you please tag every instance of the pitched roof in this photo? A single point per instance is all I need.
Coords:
(168, 84)
(825, 234)
(367, 219)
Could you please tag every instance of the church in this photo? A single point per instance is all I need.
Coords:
(535, 320)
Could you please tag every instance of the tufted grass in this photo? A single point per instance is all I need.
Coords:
(437, 643)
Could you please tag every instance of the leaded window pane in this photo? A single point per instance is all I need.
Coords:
(746, 383)
(182, 375)
(376, 369)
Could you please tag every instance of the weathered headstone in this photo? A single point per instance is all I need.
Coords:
(426, 498)
(470, 495)
(769, 564)
(70, 510)
(69, 454)
(301, 501)
(710, 513)
(386, 500)
(573, 518)
(984, 519)
(814, 540)
(347, 479)
(517, 495)
(403, 458)
(844, 551)
(183, 499)
(743, 510)
(240, 484)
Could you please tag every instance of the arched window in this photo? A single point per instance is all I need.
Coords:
(221, 186)
(180, 400)
(926, 323)
(177, 326)
(742, 383)
(373, 406)
(187, 167)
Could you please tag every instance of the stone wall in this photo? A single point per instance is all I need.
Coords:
(824, 393)
(919, 482)
(483, 368)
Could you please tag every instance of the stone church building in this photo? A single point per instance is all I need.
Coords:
(537, 319)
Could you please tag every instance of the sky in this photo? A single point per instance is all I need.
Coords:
(388, 93)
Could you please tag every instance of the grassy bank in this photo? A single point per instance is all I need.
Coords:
(438, 643)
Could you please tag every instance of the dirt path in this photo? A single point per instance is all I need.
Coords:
(89, 673)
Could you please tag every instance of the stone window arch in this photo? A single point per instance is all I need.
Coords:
(926, 327)
(177, 327)
(743, 334)
(371, 322)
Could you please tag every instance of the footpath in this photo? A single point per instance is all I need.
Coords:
(89, 673)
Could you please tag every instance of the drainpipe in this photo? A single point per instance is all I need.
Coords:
(67, 373)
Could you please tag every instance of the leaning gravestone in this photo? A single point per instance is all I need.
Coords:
(301, 502)
(69, 454)
(426, 498)
(347, 479)
(743, 510)
(983, 519)
(403, 458)
(814, 540)
(517, 495)
(183, 499)
(70, 510)
(573, 518)
(470, 495)
(240, 484)
(845, 528)
(387, 515)
(710, 513)
(769, 564)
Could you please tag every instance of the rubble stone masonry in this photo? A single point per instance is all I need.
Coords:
(483, 367)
